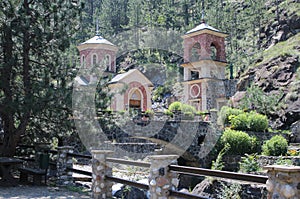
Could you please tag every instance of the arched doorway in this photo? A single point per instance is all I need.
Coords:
(135, 100)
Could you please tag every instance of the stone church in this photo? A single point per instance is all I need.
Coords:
(205, 86)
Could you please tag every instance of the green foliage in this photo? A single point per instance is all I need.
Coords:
(276, 146)
(187, 110)
(225, 113)
(249, 163)
(284, 48)
(230, 191)
(159, 93)
(219, 164)
(175, 106)
(240, 142)
(36, 69)
(257, 99)
(257, 122)
(249, 122)
(285, 162)
(169, 113)
(239, 120)
(149, 112)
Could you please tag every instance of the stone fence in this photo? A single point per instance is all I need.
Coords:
(283, 182)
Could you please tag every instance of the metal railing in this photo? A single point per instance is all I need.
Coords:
(220, 174)
(184, 170)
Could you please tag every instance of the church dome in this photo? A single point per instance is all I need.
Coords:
(97, 40)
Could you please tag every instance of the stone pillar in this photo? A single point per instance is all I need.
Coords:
(64, 177)
(283, 182)
(101, 188)
(213, 116)
(160, 179)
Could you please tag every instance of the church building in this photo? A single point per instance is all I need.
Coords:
(204, 64)
(204, 67)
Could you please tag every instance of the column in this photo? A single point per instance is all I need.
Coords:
(64, 177)
(101, 188)
(283, 182)
(160, 179)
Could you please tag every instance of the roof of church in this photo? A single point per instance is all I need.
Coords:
(98, 40)
(120, 77)
(202, 26)
(81, 80)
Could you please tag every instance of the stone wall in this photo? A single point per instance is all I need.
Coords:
(271, 160)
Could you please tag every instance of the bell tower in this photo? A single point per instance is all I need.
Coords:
(204, 67)
(96, 52)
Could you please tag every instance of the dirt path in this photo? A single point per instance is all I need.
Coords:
(39, 192)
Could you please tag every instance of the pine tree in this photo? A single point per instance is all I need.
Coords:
(33, 36)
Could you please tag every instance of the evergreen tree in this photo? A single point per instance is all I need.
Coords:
(34, 34)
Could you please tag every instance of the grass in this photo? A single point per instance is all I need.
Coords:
(290, 7)
(284, 48)
(81, 190)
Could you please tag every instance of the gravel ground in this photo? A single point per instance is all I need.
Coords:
(39, 192)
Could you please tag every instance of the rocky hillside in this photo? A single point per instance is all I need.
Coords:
(278, 68)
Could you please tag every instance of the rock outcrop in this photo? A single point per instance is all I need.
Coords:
(276, 76)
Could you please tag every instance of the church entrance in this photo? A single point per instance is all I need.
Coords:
(135, 101)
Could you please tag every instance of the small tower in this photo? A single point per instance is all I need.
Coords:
(97, 51)
(204, 67)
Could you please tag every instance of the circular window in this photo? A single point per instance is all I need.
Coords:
(195, 90)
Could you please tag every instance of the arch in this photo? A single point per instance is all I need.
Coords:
(94, 59)
(215, 50)
(107, 62)
(195, 52)
(135, 99)
(83, 61)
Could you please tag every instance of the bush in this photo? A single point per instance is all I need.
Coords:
(257, 122)
(276, 146)
(169, 113)
(225, 113)
(188, 108)
(249, 163)
(175, 106)
(249, 122)
(239, 122)
(240, 142)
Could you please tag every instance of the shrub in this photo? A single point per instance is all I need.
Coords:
(257, 122)
(249, 122)
(239, 122)
(225, 113)
(249, 163)
(219, 164)
(169, 113)
(240, 142)
(276, 146)
(175, 106)
(188, 108)
(285, 162)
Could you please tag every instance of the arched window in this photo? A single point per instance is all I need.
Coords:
(94, 60)
(83, 61)
(213, 52)
(195, 52)
(107, 62)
